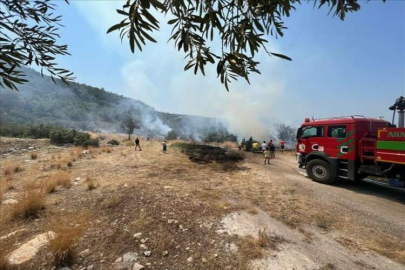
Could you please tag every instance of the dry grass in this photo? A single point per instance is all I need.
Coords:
(76, 152)
(255, 248)
(250, 249)
(91, 183)
(252, 211)
(141, 222)
(29, 205)
(34, 155)
(68, 232)
(112, 201)
(130, 143)
(328, 266)
(5, 185)
(12, 168)
(4, 264)
(62, 178)
(49, 185)
(164, 241)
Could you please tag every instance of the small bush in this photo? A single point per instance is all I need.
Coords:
(34, 155)
(91, 184)
(68, 232)
(101, 137)
(172, 135)
(12, 168)
(113, 142)
(49, 186)
(29, 205)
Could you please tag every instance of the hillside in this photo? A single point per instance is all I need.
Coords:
(85, 107)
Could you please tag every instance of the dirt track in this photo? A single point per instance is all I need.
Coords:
(204, 212)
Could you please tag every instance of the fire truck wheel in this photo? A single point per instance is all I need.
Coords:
(320, 171)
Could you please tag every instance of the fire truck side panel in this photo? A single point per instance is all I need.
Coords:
(390, 146)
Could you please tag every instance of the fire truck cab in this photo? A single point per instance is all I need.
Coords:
(352, 148)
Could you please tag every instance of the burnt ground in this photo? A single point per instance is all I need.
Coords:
(196, 215)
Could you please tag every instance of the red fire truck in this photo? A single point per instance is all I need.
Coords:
(353, 148)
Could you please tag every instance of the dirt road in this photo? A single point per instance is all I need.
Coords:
(359, 216)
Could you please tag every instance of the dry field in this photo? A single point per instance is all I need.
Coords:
(116, 208)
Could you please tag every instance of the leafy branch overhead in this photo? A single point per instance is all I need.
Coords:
(28, 34)
(242, 27)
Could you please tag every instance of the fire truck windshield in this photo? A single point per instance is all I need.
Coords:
(310, 131)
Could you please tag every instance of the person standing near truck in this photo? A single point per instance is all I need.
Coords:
(264, 146)
(282, 143)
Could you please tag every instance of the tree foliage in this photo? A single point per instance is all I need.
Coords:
(242, 27)
(28, 34)
(128, 124)
(285, 132)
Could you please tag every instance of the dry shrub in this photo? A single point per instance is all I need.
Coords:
(250, 249)
(254, 248)
(141, 222)
(92, 150)
(29, 205)
(69, 164)
(5, 185)
(34, 155)
(107, 150)
(265, 240)
(76, 152)
(112, 201)
(49, 185)
(164, 240)
(57, 164)
(68, 232)
(62, 178)
(12, 168)
(130, 143)
(91, 184)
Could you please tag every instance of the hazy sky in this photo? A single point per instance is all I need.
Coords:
(339, 68)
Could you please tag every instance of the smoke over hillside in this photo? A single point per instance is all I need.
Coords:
(85, 107)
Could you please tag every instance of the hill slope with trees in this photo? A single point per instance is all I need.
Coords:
(84, 107)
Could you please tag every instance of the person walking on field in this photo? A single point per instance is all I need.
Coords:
(266, 156)
(282, 143)
(137, 144)
(164, 146)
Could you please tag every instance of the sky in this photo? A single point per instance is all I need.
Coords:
(351, 67)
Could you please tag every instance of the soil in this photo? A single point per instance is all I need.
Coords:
(193, 216)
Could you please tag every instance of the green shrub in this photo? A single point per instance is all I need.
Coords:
(91, 142)
(113, 142)
(62, 136)
(172, 135)
(81, 139)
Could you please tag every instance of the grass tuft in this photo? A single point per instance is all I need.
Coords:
(91, 184)
(68, 232)
(62, 178)
(29, 205)
(12, 168)
(34, 155)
